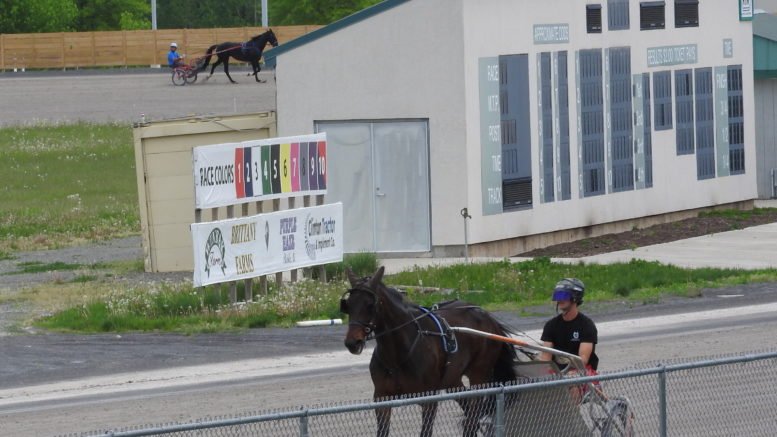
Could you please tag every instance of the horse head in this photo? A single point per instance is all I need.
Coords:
(362, 304)
(273, 40)
(264, 38)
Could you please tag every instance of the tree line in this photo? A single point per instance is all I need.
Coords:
(36, 16)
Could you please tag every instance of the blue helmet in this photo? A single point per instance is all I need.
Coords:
(569, 289)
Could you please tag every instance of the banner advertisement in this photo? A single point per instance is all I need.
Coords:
(247, 247)
(271, 168)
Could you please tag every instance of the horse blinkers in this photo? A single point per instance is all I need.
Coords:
(344, 305)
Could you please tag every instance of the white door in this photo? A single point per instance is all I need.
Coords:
(380, 171)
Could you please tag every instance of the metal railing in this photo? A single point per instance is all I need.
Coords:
(734, 395)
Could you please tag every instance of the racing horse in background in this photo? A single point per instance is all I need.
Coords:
(249, 51)
(415, 353)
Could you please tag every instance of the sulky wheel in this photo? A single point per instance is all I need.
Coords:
(179, 77)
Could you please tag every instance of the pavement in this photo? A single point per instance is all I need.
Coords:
(750, 248)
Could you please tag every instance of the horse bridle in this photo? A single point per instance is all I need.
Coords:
(369, 327)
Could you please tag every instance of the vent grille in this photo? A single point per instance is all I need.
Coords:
(516, 193)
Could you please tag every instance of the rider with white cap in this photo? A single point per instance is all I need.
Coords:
(173, 58)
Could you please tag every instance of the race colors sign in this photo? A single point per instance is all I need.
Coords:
(272, 168)
(247, 247)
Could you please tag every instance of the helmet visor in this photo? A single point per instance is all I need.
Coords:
(561, 295)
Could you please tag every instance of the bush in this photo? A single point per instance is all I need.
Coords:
(362, 264)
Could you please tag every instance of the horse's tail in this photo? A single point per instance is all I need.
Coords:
(208, 54)
(504, 371)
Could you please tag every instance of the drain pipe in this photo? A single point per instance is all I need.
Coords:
(774, 183)
(465, 214)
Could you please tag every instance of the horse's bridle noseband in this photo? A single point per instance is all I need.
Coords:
(369, 327)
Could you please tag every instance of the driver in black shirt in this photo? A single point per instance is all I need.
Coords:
(571, 331)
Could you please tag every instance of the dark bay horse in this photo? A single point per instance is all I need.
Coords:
(249, 51)
(410, 355)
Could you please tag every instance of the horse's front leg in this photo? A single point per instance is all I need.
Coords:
(226, 70)
(383, 417)
(257, 69)
(428, 413)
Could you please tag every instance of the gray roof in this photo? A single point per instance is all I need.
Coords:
(765, 26)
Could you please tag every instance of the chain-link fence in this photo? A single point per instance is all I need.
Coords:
(717, 397)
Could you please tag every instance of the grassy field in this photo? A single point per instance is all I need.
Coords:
(66, 184)
(495, 286)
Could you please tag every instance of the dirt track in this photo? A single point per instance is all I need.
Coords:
(121, 96)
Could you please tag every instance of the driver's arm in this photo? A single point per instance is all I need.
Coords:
(545, 356)
(586, 349)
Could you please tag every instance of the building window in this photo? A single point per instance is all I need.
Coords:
(621, 120)
(592, 122)
(563, 112)
(662, 94)
(593, 18)
(686, 13)
(651, 15)
(617, 14)
(546, 84)
(516, 134)
(705, 124)
(736, 121)
(683, 86)
(647, 131)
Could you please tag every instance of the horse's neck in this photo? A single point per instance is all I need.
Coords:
(260, 42)
(395, 315)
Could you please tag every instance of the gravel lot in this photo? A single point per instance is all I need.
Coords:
(122, 95)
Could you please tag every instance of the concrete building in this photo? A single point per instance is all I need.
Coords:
(548, 121)
(765, 72)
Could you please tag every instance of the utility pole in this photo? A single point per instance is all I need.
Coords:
(153, 14)
(264, 14)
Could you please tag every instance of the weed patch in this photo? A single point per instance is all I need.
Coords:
(96, 307)
(83, 177)
(38, 267)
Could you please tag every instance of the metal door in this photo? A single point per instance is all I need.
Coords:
(380, 171)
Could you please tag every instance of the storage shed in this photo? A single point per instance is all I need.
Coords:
(163, 161)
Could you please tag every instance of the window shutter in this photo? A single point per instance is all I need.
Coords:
(593, 18)
(686, 13)
(651, 15)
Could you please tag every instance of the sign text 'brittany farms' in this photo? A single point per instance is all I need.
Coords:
(247, 247)
(227, 174)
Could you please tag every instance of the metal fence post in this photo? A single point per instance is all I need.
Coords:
(465, 214)
(662, 400)
(499, 418)
(303, 425)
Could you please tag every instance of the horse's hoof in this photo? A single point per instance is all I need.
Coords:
(261, 81)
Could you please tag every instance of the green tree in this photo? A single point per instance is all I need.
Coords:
(289, 12)
(130, 21)
(174, 14)
(178, 14)
(112, 14)
(34, 16)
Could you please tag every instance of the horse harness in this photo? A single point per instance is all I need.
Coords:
(447, 337)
